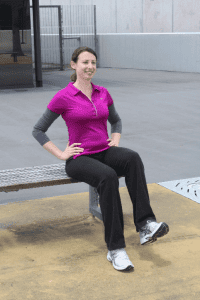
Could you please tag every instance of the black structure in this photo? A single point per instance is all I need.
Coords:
(16, 69)
(36, 25)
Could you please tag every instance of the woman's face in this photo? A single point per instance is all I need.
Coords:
(85, 66)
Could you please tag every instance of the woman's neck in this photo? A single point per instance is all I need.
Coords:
(83, 85)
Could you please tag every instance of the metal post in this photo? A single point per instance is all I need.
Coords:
(37, 45)
(23, 13)
(60, 37)
(93, 203)
(95, 29)
(172, 15)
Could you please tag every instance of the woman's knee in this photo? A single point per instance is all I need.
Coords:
(136, 158)
(132, 155)
(110, 174)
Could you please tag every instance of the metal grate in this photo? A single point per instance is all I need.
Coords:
(35, 174)
(189, 188)
(30, 177)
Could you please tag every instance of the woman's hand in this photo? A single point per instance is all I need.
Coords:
(113, 143)
(71, 151)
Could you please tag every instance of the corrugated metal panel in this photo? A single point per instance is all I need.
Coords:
(77, 24)
(189, 188)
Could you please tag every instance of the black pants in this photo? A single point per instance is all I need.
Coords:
(100, 170)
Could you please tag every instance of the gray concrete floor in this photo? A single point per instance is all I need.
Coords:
(160, 114)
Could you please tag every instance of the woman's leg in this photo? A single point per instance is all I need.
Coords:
(128, 163)
(104, 178)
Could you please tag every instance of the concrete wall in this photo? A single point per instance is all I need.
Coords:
(178, 52)
(141, 16)
(145, 34)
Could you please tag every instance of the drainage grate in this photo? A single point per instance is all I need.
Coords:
(189, 188)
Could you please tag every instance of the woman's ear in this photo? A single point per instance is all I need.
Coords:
(73, 65)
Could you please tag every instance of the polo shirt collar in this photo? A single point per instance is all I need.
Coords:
(75, 91)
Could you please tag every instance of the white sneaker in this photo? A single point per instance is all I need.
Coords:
(151, 231)
(120, 259)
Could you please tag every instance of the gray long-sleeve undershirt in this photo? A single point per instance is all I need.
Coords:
(49, 117)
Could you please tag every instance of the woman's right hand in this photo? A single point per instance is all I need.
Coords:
(71, 150)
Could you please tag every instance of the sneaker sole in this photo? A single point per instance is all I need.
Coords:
(162, 230)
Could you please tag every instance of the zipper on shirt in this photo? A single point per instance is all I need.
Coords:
(95, 107)
(92, 103)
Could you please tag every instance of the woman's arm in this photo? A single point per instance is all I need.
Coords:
(39, 132)
(51, 148)
(42, 126)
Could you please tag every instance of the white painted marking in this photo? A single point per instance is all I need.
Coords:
(189, 188)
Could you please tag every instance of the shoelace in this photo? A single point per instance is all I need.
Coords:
(146, 228)
(122, 254)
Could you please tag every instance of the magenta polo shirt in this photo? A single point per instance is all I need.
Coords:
(86, 120)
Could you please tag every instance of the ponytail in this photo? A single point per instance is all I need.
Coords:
(73, 77)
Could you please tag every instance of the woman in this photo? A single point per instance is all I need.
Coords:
(93, 158)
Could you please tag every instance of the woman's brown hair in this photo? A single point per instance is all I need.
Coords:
(75, 56)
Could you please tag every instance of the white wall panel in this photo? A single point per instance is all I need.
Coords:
(157, 16)
(170, 52)
(129, 16)
(141, 16)
(186, 15)
(106, 16)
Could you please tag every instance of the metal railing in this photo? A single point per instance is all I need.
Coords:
(63, 28)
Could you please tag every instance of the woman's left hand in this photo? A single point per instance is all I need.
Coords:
(112, 143)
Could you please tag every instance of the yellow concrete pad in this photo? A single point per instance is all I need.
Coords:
(55, 250)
